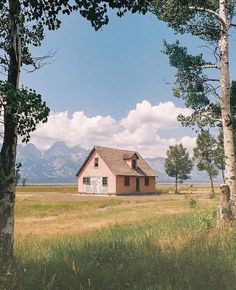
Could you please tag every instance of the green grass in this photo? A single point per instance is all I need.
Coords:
(176, 252)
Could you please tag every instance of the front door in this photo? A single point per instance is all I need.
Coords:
(137, 184)
(96, 185)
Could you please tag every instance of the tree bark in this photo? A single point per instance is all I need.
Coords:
(176, 184)
(230, 170)
(212, 184)
(8, 151)
(223, 211)
(223, 175)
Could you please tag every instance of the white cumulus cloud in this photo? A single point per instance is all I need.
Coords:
(139, 130)
(160, 116)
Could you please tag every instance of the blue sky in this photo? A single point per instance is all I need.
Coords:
(107, 73)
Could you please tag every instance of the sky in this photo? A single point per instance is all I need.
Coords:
(112, 87)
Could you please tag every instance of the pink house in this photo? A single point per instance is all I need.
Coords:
(115, 171)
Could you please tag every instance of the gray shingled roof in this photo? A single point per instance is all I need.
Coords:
(114, 159)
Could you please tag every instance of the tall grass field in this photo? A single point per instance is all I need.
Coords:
(179, 249)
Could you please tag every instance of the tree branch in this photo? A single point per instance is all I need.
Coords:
(213, 90)
(212, 80)
(39, 62)
(212, 51)
(211, 12)
(209, 66)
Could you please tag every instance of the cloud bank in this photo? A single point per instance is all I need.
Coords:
(139, 130)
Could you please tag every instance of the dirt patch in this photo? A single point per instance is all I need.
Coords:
(37, 219)
(77, 197)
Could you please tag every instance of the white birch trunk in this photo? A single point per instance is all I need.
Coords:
(230, 170)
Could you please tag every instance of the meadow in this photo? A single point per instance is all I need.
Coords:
(164, 241)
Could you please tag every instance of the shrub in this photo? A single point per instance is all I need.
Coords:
(192, 202)
(206, 219)
(212, 195)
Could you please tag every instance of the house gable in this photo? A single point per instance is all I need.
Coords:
(89, 165)
(131, 159)
(95, 176)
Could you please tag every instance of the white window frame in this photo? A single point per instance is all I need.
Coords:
(86, 180)
(96, 162)
(105, 184)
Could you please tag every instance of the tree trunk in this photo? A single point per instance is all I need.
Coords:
(176, 184)
(230, 171)
(8, 151)
(223, 175)
(212, 184)
(223, 210)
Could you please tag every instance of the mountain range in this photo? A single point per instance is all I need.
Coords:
(60, 163)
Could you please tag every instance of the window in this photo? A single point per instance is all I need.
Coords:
(146, 180)
(104, 181)
(134, 164)
(95, 162)
(86, 180)
(126, 180)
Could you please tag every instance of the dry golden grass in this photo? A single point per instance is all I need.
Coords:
(36, 189)
(83, 217)
(53, 211)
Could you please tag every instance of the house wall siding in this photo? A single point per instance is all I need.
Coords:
(121, 188)
(96, 175)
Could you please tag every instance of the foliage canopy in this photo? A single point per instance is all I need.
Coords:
(178, 164)
(204, 154)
